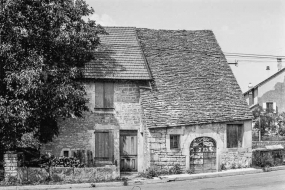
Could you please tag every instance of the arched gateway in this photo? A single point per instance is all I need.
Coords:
(203, 155)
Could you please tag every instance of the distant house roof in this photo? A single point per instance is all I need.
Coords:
(264, 81)
(193, 83)
(118, 57)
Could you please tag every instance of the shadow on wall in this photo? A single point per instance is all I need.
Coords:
(104, 64)
(277, 95)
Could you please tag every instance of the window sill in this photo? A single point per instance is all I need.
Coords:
(104, 110)
(174, 149)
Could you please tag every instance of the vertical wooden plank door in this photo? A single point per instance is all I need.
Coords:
(104, 148)
(128, 150)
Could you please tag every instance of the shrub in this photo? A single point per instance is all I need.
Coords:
(150, 173)
(262, 160)
(233, 166)
(176, 169)
(223, 166)
(190, 171)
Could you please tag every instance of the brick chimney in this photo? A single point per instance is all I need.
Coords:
(279, 64)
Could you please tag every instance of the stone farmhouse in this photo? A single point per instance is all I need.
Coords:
(159, 98)
(269, 93)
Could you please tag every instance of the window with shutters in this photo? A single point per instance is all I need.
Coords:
(104, 95)
(234, 136)
(104, 146)
(269, 106)
(174, 141)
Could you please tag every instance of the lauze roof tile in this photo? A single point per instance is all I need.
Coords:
(118, 57)
(192, 82)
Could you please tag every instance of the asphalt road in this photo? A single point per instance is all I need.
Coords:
(263, 181)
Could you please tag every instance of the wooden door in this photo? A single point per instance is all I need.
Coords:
(203, 155)
(128, 150)
(104, 148)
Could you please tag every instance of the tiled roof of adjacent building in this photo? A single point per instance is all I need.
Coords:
(193, 83)
(264, 81)
(118, 57)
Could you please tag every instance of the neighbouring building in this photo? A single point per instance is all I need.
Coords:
(159, 98)
(269, 93)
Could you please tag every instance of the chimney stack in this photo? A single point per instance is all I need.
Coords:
(267, 71)
(279, 64)
(249, 85)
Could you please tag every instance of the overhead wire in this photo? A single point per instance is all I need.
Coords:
(257, 56)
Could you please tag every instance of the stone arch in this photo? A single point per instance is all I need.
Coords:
(203, 154)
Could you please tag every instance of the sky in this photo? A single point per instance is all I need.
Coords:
(240, 26)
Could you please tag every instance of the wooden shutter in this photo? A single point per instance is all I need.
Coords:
(264, 106)
(234, 136)
(108, 95)
(99, 95)
(104, 146)
(274, 107)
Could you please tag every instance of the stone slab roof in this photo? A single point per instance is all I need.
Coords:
(118, 57)
(192, 82)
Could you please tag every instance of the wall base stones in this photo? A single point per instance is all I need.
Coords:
(65, 174)
(235, 159)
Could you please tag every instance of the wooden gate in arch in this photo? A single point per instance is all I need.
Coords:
(203, 155)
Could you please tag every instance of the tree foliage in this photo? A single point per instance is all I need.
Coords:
(43, 45)
(269, 122)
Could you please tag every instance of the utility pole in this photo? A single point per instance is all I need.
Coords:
(259, 132)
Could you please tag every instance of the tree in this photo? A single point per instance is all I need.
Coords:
(44, 43)
(268, 122)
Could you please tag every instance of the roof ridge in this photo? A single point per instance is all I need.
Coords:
(118, 27)
(265, 80)
(176, 29)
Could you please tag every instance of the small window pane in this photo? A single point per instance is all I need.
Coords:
(66, 153)
(174, 141)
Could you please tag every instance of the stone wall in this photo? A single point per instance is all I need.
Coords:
(78, 133)
(161, 156)
(58, 174)
(10, 165)
(235, 159)
(262, 144)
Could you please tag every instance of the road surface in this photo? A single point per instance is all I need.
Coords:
(274, 180)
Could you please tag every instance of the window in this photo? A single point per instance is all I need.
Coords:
(234, 136)
(174, 141)
(104, 146)
(104, 95)
(251, 97)
(66, 153)
(269, 106)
